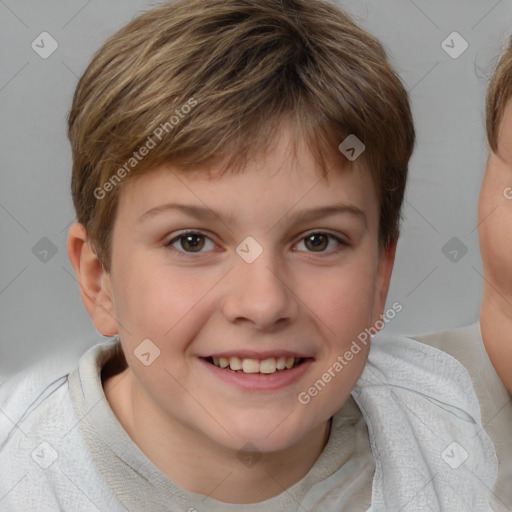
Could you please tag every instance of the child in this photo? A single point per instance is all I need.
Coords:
(485, 348)
(238, 174)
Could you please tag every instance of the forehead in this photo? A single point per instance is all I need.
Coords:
(262, 182)
(269, 186)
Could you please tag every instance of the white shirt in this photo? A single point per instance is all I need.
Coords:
(415, 400)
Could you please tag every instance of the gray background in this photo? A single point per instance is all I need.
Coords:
(41, 313)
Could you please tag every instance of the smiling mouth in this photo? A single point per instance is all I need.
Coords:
(263, 367)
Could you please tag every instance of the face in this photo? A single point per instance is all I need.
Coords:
(266, 269)
(495, 234)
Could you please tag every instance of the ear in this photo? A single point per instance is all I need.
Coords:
(94, 281)
(383, 278)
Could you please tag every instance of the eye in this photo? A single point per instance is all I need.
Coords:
(190, 242)
(320, 241)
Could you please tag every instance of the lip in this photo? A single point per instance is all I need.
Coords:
(258, 382)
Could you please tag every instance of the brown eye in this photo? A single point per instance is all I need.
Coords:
(316, 242)
(321, 242)
(192, 243)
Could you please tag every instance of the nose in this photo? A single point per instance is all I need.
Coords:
(259, 294)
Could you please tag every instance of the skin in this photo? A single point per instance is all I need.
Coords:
(495, 235)
(190, 424)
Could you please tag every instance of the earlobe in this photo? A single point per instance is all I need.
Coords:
(93, 280)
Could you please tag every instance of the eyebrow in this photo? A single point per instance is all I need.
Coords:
(307, 215)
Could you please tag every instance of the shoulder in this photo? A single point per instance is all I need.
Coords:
(25, 394)
(414, 368)
(422, 412)
(44, 459)
(465, 344)
(458, 342)
(30, 402)
(417, 365)
(27, 391)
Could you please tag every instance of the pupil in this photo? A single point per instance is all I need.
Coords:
(317, 242)
(192, 243)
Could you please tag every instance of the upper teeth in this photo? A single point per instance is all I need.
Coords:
(247, 365)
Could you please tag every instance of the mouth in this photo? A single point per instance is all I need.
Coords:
(268, 366)
(263, 372)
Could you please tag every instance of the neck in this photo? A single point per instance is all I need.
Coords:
(496, 327)
(199, 465)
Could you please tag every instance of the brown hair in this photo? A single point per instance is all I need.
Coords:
(499, 92)
(244, 67)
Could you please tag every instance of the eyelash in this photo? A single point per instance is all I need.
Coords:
(185, 254)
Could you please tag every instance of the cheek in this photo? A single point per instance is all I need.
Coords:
(153, 301)
(343, 300)
(343, 305)
(496, 247)
(495, 235)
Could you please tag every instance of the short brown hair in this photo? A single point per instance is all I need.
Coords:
(499, 92)
(248, 66)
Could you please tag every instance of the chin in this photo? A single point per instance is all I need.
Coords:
(268, 434)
